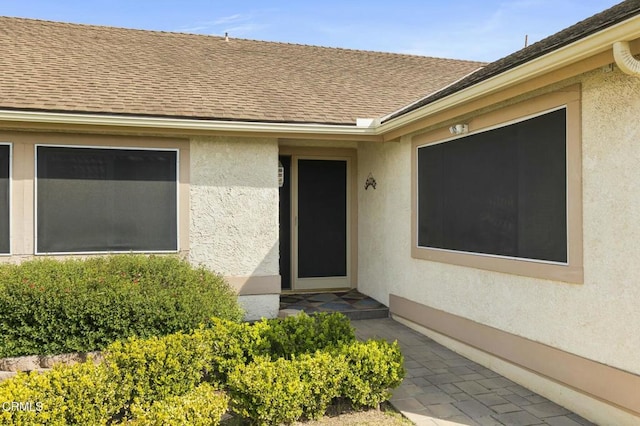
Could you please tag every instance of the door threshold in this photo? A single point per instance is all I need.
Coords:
(315, 290)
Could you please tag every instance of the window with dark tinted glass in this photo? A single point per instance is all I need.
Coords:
(98, 199)
(5, 158)
(500, 192)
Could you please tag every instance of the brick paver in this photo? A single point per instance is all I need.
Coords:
(444, 388)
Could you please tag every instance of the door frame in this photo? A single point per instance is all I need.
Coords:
(344, 154)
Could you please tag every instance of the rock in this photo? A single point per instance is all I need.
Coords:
(284, 313)
(38, 362)
(95, 356)
(4, 375)
(20, 363)
(48, 361)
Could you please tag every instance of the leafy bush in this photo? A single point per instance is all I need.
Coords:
(322, 374)
(167, 380)
(50, 307)
(203, 406)
(232, 344)
(268, 392)
(373, 368)
(284, 390)
(81, 394)
(135, 373)
(153, 369)
(302, 333)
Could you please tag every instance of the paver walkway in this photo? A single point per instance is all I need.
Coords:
(444, 388)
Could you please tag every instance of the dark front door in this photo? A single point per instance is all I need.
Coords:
(321, 223)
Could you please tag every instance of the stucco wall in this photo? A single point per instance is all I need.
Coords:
(234, 207)
(597, 319)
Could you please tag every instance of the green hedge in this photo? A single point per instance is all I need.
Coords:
(203, 406)
(184, 378)
(139, 379)
(301, 334)
(153, 369)
(278, 391)
(50, 307)
(82, 394)
(373, 368)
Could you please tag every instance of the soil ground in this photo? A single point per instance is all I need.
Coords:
(386, 416)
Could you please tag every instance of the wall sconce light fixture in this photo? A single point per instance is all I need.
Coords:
(459, 129)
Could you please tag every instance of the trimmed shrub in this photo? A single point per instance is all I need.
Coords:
(138, 372)
(28, 400)
(81, 394)
(284, 390)
(232, 344)
(373, 368)
(165, 380)
(302, 333)
(322, 374)
(50, 307)
(203, 406)
(156, 368)
(268, 392)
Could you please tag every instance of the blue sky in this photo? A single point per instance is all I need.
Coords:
(483, 30)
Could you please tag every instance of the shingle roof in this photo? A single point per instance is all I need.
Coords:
(61, 67)
(582, 29)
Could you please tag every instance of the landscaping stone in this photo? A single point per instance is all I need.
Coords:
(9, 366)
(284, 313)
(20, 363)
(48, 361)
(95, 356)
(4, 375)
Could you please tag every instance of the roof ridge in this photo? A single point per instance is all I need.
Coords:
(190, 34)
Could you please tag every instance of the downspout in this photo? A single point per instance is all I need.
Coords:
(624, 59)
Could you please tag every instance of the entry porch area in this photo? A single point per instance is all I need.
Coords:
(352, 303)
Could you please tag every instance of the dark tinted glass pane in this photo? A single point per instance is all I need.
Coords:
(106, 200)
(322, 218)
(500, 192)
(542, 181)
(4, 199)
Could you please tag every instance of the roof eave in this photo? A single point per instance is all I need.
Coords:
(183, 124)
(581, 49)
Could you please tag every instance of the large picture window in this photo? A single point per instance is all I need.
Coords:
(501, 192)
(5, 165)
(106, 200)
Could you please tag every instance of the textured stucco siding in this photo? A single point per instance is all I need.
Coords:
(597, 319)
(234, 208)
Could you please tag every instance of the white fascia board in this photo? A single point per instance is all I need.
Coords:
(577, 51)
(180, 124)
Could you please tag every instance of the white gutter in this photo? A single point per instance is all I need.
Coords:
(581, 49)
(182, 124)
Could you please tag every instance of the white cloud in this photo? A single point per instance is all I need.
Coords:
(233, 18)
(237, 25)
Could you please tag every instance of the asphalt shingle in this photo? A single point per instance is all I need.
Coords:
(64, 67)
